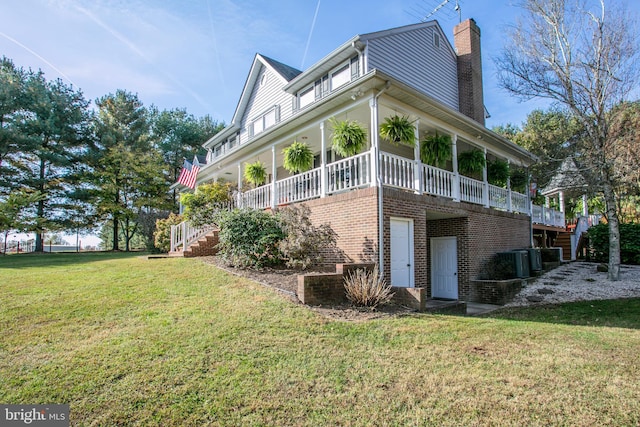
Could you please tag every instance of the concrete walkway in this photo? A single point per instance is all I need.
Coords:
(476, 308)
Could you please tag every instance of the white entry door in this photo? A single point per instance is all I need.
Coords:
(444, 268)
(401, 252)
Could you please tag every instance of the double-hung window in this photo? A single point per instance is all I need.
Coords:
(265, 121)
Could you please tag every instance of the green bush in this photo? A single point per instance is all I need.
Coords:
(629, 243)
(303, 242)
(202, 207)
(249, 238)
(162, 235)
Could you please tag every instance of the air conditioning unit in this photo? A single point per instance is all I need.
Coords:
(519, 260)
(535, 258)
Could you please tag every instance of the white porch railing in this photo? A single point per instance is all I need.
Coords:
(349, 173)
(519, 203)
(438, 182)
(498, 197)
(258, 198)
(397, 171)
(299, 187)
(471, 190)
(184, 234)
(547, 216)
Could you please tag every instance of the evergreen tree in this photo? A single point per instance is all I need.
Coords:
(128, 176)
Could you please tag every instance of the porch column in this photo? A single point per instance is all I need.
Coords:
(456, 175)
(323, 161)
(485, 193)
(417, 172)
(274, 171)
(585, 206)
(547, 202)
(561, 201)
(375, 152)
(239, 198)
(509, 206)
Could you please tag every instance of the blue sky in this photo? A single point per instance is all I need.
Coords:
(196, 54)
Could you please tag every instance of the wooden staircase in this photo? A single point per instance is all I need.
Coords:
(564, 241)
(204, 246)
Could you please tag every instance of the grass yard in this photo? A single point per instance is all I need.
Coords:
(125, 340)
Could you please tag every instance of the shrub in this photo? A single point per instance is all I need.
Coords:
(249, 238)
(202, 207)
(303, 242)
(629, 243)
(162, 235)
(366, 288)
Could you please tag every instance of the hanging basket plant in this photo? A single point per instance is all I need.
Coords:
(255, 173)
(398, 131)
(348, 137)
(498, 173)
(518, 180)
(471, 162)
(435, 150)
(298, 157)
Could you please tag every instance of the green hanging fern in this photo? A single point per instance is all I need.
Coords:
(471, 162)
(518, 180)
(498, 172)
(348, 137)
(255, 173)
(435, 150)
(298, 157)
(398, 130)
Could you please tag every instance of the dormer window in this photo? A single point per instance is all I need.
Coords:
(306, 97)
(265, 121)
(340, 77)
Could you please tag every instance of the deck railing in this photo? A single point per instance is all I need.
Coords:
(258, 198)
(399, 172)
(547, 216)
(184, 234)
(471, 190)
(299, 187)
(352, 172)
(438, 182)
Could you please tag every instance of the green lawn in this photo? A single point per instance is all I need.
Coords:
(126, 340)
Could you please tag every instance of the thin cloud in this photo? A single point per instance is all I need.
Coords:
(313, 25)
(132, 46)
(37, 55)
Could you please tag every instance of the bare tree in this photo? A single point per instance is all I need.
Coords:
(581, 54)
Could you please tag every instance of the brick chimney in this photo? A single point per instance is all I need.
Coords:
(466, 37)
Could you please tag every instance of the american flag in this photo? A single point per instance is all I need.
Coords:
(189, 173)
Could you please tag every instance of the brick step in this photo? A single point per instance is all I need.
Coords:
(205, 246)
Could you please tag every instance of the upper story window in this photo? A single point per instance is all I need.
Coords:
(343, 74)
(340, 77)
(306, 97)
(265, 121)
(436, 40)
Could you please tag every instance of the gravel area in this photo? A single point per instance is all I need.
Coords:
(579, 281)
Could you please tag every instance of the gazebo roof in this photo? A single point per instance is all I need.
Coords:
(567, 177)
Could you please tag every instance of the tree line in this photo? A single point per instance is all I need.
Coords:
(66, 166)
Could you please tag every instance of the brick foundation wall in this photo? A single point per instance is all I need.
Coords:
(353, 216)
(480, 233)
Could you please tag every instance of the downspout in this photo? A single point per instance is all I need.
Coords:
(360, 51)
(379, 185)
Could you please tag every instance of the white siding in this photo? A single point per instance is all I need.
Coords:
(263, 98)
(411, 57)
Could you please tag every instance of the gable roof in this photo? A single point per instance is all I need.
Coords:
(354, 45)
(289, 73)
(568, 177)
(284, 72)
